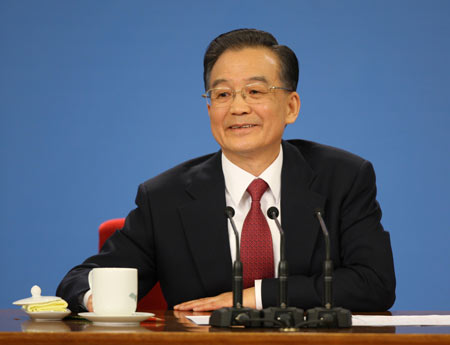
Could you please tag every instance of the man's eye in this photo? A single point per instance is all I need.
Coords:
(255, 92)
(223, 94)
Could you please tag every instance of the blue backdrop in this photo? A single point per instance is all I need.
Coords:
(88, 111)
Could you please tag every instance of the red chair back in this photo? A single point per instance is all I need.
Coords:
(154, 300)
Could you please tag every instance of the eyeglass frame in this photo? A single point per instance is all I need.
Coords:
(234, 92)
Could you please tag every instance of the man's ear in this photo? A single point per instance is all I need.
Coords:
(293, 107)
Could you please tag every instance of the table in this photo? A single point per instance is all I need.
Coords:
(174, 328)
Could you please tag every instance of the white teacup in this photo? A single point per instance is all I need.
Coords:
(114, 290)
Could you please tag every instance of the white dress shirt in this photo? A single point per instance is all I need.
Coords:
(237, 181)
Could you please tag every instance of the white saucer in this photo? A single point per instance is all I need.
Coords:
(116, 320)
(47, 315)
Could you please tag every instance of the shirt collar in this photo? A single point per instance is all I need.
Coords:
(237, 180)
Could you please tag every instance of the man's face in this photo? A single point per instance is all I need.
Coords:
(251, 131)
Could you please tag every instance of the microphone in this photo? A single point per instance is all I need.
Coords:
(289, 316)
(236, 315)
(328, 316)
(273, 214)
(237, 265)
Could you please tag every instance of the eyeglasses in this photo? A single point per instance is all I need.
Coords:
(252, 94)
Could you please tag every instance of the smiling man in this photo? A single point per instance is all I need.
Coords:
(248, 125)
(179, 235)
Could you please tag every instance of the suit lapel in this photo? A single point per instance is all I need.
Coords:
(298, 202)
(205, 226)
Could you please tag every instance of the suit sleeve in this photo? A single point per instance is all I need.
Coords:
(132, 246)
(364, 279)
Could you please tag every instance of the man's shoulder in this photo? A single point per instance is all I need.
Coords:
(333, 169)
(182, 173)
(324, 156)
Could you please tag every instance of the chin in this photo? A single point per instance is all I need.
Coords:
(242, 149)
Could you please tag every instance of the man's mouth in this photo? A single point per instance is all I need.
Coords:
(242, 126)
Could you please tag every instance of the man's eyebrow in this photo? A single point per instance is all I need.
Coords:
(217, 82)
(258, 78)
(255, 78)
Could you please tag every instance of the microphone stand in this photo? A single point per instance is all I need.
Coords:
(237, 315)
(328, 316)
(289, 316)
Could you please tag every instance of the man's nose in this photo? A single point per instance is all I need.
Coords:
(238, 105)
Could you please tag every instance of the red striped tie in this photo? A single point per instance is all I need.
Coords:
(256, 239)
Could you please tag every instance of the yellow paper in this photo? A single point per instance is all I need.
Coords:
(58, 305)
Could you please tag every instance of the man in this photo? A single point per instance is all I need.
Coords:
(178, 233)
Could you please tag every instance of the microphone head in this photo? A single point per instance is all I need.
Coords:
(272, 212)
(229, 211)
(318, 211)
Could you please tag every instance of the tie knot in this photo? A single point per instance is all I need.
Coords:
(257, 188)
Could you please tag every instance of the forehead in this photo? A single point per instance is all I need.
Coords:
(244, 65)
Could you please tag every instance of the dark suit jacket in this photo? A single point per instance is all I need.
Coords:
(178, 233)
